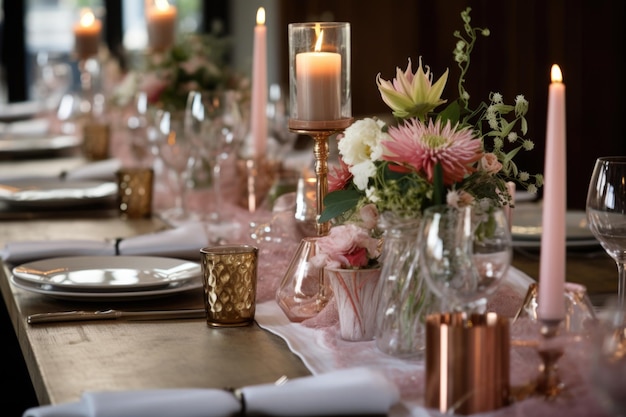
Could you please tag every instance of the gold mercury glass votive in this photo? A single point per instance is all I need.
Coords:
(229, 275)
(467, 362)
(134, 192)
(96, 138)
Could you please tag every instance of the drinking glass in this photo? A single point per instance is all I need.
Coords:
(217, 126)
(606, 213)
(175, 150)
(465, 254)
(138, 128)
(53, 78)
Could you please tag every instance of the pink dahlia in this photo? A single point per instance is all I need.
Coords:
(421, 146)
(339, 176)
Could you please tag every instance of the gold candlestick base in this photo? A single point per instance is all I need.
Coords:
(303, 293)
(549, 384)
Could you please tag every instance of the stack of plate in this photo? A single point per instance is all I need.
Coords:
(54, 192)
(110, 278)
(527, 221)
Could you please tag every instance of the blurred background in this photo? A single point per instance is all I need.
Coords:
(527, 36)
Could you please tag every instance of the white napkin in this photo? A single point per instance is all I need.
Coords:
(182, 242)
(355, 391)
(99, 170)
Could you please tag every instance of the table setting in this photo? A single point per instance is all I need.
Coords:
(432, 209)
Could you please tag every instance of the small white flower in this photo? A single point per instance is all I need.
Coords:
(524, 176)
(496, 98)
(528, 145)
(361, 141)
(372, 194)
(362, 172)
(512, 137)
(532, 189)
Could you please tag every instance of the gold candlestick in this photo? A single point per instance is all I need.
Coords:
(549, 383)
(320, 132)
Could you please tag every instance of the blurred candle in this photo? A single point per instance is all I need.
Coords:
(258, 126)
(553, 239)
(318, 83)
(161, 18)
(87, 35)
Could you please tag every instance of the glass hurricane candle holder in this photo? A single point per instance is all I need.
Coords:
(319, 76)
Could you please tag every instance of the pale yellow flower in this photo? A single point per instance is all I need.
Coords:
(412, 95)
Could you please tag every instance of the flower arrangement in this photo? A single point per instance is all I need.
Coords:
(457, 155)
(195, 62)
(350, 245)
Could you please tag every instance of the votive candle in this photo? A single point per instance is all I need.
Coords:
(87, 35)
(553, 238)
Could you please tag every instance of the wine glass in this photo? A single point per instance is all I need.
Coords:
(138, 125)
(53, 79)
(465, 253)
(606, 213)
(175, 149)
(217, 126)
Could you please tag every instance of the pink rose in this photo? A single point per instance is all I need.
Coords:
(369, 215)
(489, 163)
(346, 246)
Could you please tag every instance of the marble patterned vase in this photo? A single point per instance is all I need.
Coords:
(357, 294)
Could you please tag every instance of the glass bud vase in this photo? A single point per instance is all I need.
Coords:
(405, 296)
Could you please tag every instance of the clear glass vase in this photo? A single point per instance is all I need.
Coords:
(405, 296)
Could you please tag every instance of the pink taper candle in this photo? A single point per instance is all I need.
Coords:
(553, 240)
(258, 123)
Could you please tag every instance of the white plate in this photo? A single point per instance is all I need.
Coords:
(56, 192)
(19, 111)
(107, 273)
(16, 145)
(48, 290)
(527, 224)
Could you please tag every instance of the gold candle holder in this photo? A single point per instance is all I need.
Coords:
(549, 384)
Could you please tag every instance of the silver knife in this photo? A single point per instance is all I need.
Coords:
(115, 315)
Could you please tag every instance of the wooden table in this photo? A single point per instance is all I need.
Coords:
(66, 359)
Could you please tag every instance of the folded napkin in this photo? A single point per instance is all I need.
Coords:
(355, 391)
(99, 170)
(182, 242)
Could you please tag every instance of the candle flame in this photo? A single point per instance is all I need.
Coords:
(162, 4)
(260, 16)
(86, 18)
(318, 43)
(555, 74)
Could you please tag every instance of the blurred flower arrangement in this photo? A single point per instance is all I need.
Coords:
(457, 155)
(195, 62)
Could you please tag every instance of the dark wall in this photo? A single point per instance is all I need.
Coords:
(527, 36)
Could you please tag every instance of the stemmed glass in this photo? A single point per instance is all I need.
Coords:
(175, 149)
(217, 126)
(606, 213)
(465, 254)
(138, 126)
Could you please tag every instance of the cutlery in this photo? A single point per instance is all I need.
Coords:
(115, 315)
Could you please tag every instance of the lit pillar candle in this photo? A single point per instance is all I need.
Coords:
(318, 83)
(258, 126)
(161, 19)
(553, 239)
(87, 35)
